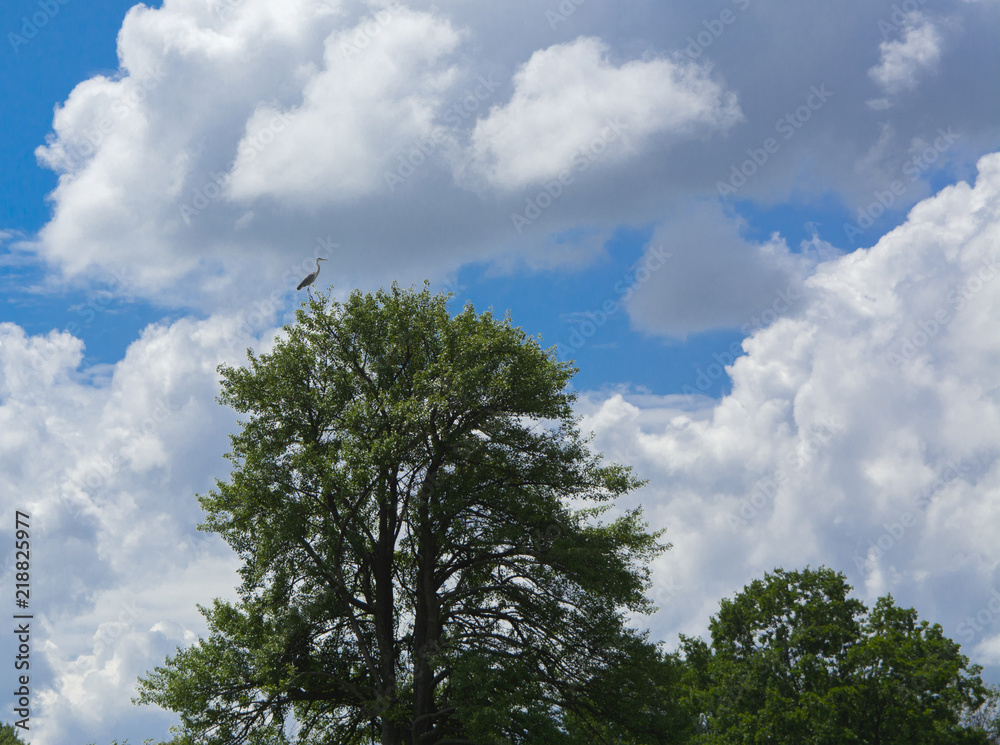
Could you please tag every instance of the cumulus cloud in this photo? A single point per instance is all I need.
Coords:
(96, 655)
(902, 61)
(861, 432)
(137, 153)
(989, 649)
(570, 99)
(370, 98)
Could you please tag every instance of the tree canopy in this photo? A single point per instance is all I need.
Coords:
(795, 660)
(424, 554)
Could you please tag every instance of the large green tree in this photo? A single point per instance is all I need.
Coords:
(425, 559)
(795, 660)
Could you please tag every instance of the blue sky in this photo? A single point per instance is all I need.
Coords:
(765, 232)
(76, 42)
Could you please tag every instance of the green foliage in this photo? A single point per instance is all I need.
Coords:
(795, 660)
(179, 740)
(985, 718)
(413, 569)
(9, 735)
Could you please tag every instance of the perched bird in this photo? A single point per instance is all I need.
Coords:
(310, 278)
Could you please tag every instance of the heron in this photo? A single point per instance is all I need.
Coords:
(310, 278)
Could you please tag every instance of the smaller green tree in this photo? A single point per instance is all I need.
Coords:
(795, 660)
(912, 683)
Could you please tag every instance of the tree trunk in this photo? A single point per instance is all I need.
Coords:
(385, 630)
(426, 622)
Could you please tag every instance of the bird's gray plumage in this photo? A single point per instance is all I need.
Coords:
(311, 277)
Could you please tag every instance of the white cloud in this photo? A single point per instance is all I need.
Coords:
(135, 150)
(571, 102)
(861, 432)
(902, 61)
(226, 131)
(97, 655)
(988, 650)
(356, 114)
